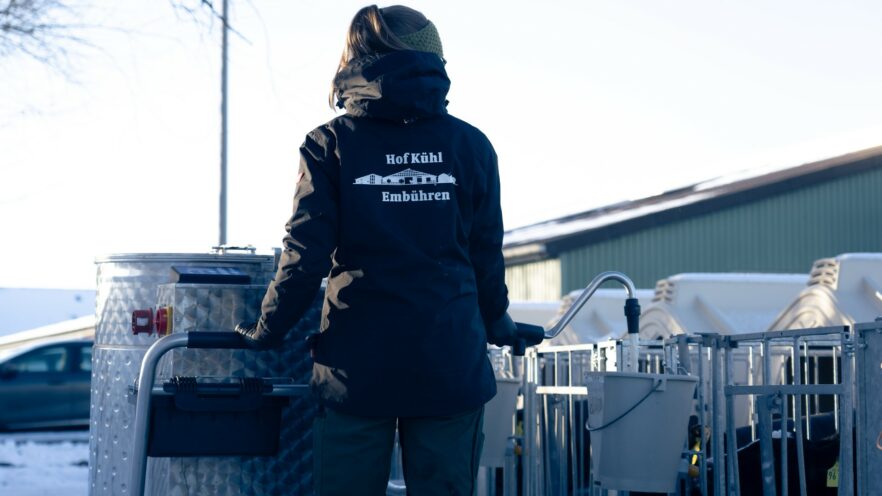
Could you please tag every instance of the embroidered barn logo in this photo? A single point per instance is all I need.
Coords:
(407, 177)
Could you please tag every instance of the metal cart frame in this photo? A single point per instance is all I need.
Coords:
(144, 388)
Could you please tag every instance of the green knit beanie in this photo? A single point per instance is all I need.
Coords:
(424, 40)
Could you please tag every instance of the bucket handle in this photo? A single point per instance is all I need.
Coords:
(658, 386)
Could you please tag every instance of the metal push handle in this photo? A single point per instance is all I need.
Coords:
(146, 379)
(529, 335)
(588, 292)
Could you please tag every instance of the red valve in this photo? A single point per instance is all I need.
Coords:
(142, 321)
(164, 321)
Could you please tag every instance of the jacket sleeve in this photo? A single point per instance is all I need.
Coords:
(309, 243)
(485, 246)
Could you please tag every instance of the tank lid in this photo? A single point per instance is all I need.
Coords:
(183, 257)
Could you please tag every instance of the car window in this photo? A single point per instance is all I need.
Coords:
(52, 359)
(86, 358)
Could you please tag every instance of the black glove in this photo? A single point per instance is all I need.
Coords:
(256, 336)
(503, 332)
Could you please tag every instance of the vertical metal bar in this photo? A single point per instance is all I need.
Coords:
(846, 412)
(767, 363)
(222, 239)
(702, 420)
(526, 448)
(808, 410)
(837, 363)
(668, 360)
(560, 417)
(797, 414)
(530, 450)
(541, 438)
(794, 398)
(546, 447)
(764, 431)
(731, 439)
(767, 455)
(717, 412)
(784, 434)
(587, 364)
(576, 445)
(572, 422)
(620, 357)
(559, 422)
(570, 368)
(553, 413)
(598, 364)
(581, 458)
(751, 399)
(549, 427)
(509, 472)
(527, 442)
(817, 377)
(862, 415)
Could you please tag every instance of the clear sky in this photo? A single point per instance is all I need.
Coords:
(587, 102)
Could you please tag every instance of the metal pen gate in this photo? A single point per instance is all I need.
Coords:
(555, 455)
(779, 399)
(780, 411)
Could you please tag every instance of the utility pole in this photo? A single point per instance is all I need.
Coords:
(223, 159)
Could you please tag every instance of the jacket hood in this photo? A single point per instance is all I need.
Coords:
(401, 85)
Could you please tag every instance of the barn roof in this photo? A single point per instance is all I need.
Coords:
(547, 239)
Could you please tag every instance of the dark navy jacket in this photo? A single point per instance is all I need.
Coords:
(398, 205)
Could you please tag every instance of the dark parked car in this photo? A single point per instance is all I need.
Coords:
(46, 385)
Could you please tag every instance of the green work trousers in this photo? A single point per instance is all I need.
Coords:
(440, 455)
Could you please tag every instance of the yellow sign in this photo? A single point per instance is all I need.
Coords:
(833, 475)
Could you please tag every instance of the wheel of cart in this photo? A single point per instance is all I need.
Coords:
(190, 416)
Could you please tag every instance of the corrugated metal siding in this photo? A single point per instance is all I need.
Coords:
(786, 233)
(536, 281)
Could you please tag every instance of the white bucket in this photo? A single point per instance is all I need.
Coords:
(499, 421)
(641, 450)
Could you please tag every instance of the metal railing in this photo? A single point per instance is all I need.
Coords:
(868, 418)
(555, 456)
(782, 396)
(752, 387)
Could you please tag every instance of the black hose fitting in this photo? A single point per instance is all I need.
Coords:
(632, 315)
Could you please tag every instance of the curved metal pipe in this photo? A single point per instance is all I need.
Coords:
(146, 378)
(586, 293)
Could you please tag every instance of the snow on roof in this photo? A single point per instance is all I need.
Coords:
(741, 277)
(594, 219)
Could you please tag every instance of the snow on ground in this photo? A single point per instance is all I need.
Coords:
(44, 464)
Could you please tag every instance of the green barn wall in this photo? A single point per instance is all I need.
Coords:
(781, 234)
(536, 281)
